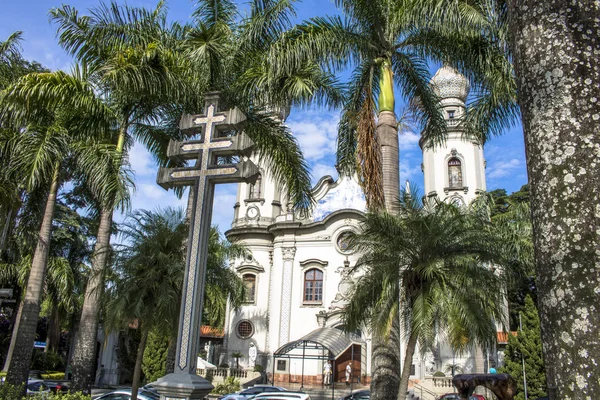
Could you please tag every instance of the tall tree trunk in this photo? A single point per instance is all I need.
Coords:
(555, 50)
(385, 365)
(137, 371)
(171, 353)
(21, 344)
(387, 133)
(385, 360)
(408, 360)
(53, 340)
(85, 339)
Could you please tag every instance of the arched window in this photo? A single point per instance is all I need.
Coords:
(249, 281)
(313, 286)
(455, 173)
(255, 189)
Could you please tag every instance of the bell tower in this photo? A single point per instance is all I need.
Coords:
(455, 171)
(258, 204)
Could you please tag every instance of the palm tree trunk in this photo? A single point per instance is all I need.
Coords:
(53, 340)
(385, 365)
(137, 371)
(171, 352)
(558, 81)
(385, 380)
(387, 133)
(85, 339)
(408, 360)
(21, 345)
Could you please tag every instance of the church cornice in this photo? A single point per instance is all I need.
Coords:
(282, 227)
(314, 261)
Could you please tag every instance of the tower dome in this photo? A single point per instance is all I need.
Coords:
(449, 83)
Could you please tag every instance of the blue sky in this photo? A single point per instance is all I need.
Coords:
(315, 128)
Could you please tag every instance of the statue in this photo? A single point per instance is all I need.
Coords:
(252, 353)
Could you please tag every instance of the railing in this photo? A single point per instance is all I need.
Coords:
(222, 372)
(445, 382)
(424, 393)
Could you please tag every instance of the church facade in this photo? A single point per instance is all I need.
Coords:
(298, 276)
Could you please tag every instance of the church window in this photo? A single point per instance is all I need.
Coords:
(455, 173)
(245, 329)
(255, 189)
(450, 114)
(281, 365)
(249, 281)
(313, 286)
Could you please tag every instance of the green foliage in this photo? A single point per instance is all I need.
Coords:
(230, 385)
(155, 356)
(258, 368)
(53, 375)
(528, 345)
(10, 392)
(439, 374)
(47, 361)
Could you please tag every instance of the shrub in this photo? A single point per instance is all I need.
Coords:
(439, 374)
(229, 386)
(10, 392)
(223, 365)
(49, 361)
(258, 368)
(155, 356)
(53, 375)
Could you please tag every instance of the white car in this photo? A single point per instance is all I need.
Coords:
(251, 392)
(282, 396)
(125, 394)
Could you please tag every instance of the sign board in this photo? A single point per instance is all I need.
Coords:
(6, 292)
(39, 345)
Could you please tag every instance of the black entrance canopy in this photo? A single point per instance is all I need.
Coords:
(331, 339)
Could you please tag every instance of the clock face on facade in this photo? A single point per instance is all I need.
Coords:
(252, 212)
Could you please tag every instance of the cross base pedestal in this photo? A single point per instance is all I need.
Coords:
(182, 387)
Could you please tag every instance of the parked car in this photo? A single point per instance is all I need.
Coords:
(455, 396)
(36, 386)
(125, 394)
(56, 387)
(359, 395)
(283, 395)
(251, 392)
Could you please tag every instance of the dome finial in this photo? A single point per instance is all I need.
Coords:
(448, 83)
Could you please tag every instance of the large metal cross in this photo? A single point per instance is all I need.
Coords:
(202, 177)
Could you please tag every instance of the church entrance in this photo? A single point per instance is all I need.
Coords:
(324, 357)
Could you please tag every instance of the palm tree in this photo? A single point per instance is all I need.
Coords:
(427, 267)
(151, 267)
(558, 99)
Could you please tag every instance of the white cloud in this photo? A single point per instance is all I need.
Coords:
(502, 168)
(141, 161)
(410, 171)
(320, 170)
(316, 132)
(409, 140)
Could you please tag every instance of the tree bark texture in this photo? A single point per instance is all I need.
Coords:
(137, 371)
(53, 339)
(555, 46)
(387, 133)
(85, 339)
(23, 336)
(408, 360)
(385, 364)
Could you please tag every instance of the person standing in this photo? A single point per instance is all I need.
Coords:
(327, 373)
(348, 372)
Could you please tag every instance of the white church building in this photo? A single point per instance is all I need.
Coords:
(298, 276)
